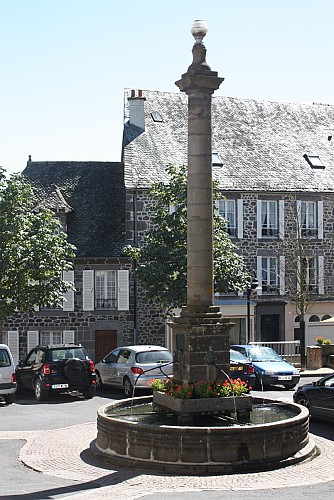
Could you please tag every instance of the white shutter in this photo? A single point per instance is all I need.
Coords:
(216, 209)
(88, 290)
(259, 274)
(68, 336)
(281, 218)
(321, 275)
(320, 220)
(299, 218)
(123, 290)
(33, 339)
(68, 303)
(282, 275)
(259, 221)
(13, 344)
(299, 276)
(240, 218)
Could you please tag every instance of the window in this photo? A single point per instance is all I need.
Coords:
(156, 117)
(314, 161)
(216, 160)
(308, 219)
(309, 273)
(269, 218)
(227, 209)
(105, 289)
(51, 338)
(325, 316)
(314, 318)
(269, 275)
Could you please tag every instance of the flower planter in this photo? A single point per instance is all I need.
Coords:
(203, 406)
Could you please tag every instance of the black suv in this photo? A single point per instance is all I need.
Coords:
(56, 368)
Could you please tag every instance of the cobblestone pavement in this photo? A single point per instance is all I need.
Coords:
(65, 453)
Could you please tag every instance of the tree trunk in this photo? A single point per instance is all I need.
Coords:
(302, 346)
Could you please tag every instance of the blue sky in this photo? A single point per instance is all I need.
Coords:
(65, 63)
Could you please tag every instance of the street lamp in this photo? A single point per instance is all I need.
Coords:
(253, 285)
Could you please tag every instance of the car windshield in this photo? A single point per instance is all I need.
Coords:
(153, 357)
(237, 356)
(4, 358)
(58, 354)
(263, 354)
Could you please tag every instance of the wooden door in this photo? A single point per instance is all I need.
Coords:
(105, 341)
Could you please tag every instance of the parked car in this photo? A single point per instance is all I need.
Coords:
(57, 368)
(7, 375)
(318, 397)
(241, 367)
(270, 368)
(132, 367)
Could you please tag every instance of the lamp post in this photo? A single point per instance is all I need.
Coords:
(254, 284)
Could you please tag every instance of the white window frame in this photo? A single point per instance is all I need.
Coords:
(121, 300)
(267, 220)
(232, 211)
(270, 275)
(310, 218)
(105, 289)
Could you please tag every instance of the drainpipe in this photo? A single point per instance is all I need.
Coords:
(135, 286)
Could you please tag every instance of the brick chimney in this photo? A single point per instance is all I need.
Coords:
(136, 108)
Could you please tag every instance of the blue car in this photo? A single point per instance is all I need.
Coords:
(270, 368)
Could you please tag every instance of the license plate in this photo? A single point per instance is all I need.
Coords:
(59, 386)
(285, 377)
(233, 368)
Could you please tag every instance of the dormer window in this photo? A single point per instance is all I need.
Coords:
(314, 161)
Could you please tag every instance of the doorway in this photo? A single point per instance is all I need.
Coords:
(105, 341)
(269, 327)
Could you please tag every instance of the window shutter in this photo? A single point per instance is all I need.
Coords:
(33, 339)
(68, 303)
(88, 290)
(281, 218)
(13, 344)
(321, 275)
(258, 218)
(299, 218)
(68, 336)
(320, 220)
(282, 275)
(240, 218)
(259, 274)
(123, 290)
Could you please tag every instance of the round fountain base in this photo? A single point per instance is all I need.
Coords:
(193, 450)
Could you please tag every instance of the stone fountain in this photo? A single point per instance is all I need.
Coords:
(201, 344)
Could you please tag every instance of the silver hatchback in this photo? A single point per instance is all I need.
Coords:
(7, 375)
(133, 367)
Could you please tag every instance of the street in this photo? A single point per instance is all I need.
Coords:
(19, 482)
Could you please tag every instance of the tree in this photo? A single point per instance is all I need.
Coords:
(33, 251)
(301, 273)
(162, 269)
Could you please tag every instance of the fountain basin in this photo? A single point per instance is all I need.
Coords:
(182, 449)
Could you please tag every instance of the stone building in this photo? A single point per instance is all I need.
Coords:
(89, 199)
(275, 166)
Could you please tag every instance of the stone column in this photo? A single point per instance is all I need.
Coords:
(199, 330)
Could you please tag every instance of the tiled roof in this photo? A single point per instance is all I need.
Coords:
(92, 193)
(261, 143)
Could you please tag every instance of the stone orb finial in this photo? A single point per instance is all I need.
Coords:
(199, 29)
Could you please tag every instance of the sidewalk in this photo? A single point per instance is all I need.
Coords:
(319, 372)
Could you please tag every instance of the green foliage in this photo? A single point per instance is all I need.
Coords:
(33, 251)
(162, 262)
(201, 389)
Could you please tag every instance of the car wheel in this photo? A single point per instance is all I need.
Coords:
(303, 400)
(40, 393)
(99, 383)
(289, 386)
(127, 387)
(9, 398)
(75, 370)
(89, 393)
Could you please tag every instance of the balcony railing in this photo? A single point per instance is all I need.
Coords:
(105, 304)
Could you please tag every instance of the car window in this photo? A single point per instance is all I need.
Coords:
(112, 356)
(59, 354)
(329, 382)
(32, 357)
(124, 355)
(154, 357)
(263, 354)
(4, 358)
(40, 356)
(237, 356)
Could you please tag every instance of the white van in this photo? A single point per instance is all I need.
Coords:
(7, 375)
